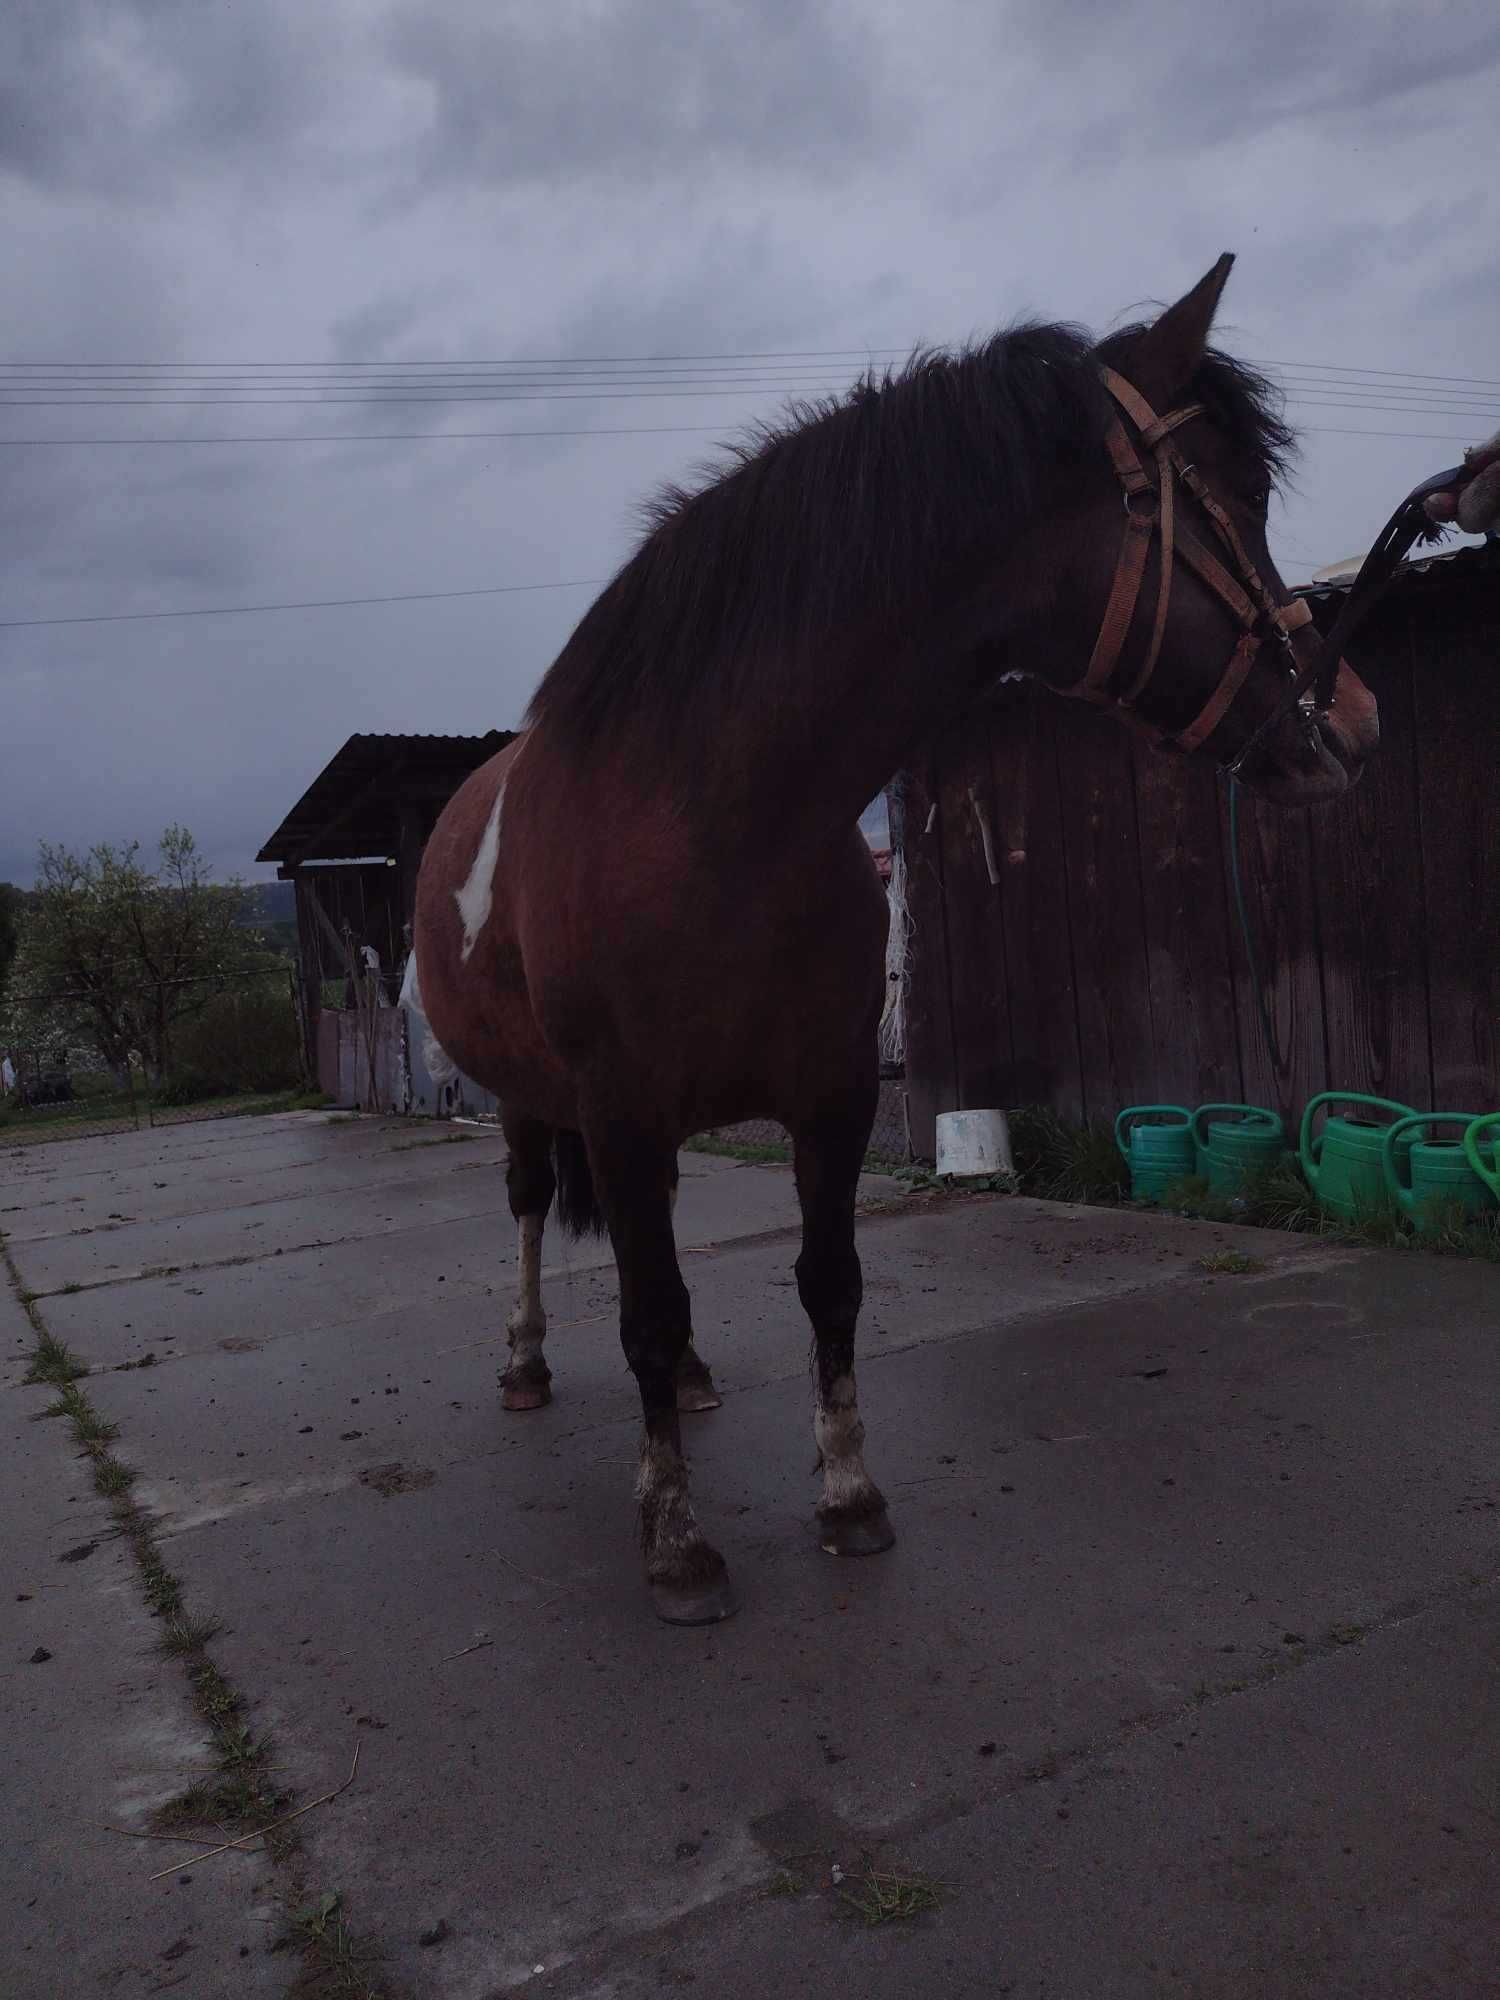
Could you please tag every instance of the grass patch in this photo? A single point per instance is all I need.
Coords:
(112, 1477)
(785, 1882)
(890, 1896)
(337, 1960)
(53, 1360)
(1229, 1264)
(1060, 1162)
(184, 1634)
(444, 1139)
(770, 1154)
(93, 1432)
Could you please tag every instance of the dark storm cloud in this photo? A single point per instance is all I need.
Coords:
(558, 88)
(1177, 87)
(117, 96)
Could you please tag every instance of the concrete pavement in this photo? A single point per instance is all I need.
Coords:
(1181, 1679)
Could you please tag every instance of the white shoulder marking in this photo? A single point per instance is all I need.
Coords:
(477, 895)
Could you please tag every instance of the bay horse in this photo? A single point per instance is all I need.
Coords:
(653, 913)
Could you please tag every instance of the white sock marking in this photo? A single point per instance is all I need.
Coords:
(476, 898)
(527, 1325)
(840, 1435)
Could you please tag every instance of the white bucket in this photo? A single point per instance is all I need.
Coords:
(971, 1144)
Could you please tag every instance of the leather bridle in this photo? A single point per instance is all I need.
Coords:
(1151, 506)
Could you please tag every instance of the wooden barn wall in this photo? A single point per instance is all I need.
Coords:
(1075, 939)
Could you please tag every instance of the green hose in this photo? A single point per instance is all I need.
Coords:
(1267, 1027)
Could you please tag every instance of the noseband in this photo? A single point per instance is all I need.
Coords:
(1150, 505)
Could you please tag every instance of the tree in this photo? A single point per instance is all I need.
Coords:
(12, 904)
(116, 953)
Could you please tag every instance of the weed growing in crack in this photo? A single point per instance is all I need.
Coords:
(54, 1361)
(111, 1477)
(891, 1896)
(338, 1959)
(184, 1634)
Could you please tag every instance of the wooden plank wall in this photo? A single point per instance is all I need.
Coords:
(1088, 954)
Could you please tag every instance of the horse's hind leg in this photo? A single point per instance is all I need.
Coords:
(695, 1385)
(526, 1383)
(829, 1148)
(633, 1176)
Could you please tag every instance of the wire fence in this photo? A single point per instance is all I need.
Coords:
(242, 1052)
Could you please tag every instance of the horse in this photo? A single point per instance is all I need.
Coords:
(653, 913)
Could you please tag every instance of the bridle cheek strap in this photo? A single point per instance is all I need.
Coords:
(1248, 600)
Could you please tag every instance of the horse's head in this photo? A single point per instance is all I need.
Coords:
(1189, 632)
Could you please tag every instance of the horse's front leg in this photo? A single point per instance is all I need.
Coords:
(633, 1177)
(829, 1149)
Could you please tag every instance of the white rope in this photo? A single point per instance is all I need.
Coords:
(897, 964)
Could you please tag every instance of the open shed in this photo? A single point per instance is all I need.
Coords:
(352, 845)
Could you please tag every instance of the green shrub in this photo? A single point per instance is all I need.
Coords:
(244, 1040)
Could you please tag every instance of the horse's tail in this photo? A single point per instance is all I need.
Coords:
(578, 1207)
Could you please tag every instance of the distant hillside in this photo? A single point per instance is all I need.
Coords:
(271, 903)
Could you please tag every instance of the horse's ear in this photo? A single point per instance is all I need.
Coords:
(1171, 351)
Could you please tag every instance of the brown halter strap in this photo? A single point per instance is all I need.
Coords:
(1150, 505)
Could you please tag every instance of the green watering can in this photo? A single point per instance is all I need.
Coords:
(1344, 1164)
(1428, 1176)
(1487, 1170)
(1157, 1153)
(1236, 1146)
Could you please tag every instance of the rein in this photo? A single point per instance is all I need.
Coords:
(1379, 567)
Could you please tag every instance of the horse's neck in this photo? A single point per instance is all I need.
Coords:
(814, 772)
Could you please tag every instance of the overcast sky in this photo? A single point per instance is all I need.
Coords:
(479, 180)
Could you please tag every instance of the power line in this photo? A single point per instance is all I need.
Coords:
(643, 430)
(306, 604)
(391, 437)
(517, 361)
(832, 355)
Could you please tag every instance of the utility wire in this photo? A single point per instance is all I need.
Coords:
(305, 604)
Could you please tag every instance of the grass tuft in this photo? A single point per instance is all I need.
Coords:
(891, 1896)
(184, 1633)
(53, 1360)
(111, 1477)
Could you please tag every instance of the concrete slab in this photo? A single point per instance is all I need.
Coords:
(232, 1231)
(336, 1279)
(210, 1139)
(97, 1735)
(165, 1190)
(1103, 1513)
(1330, 1836)
(246, 1420)
(1182, 1674)
(17, 1337)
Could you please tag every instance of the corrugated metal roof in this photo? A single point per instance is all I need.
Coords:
(351, 807)
(1438, 564)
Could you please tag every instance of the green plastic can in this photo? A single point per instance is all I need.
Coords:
(1428, 1178)
(1242, 1140)
(1475, 1141)
(1157, 1142)
(1345, 1162)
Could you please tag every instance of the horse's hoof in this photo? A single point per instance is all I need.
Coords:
(870, 1535)
(694, 1604)
(525, 1395)
(697, 1392)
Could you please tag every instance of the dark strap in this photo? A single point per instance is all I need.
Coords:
(1214, 710)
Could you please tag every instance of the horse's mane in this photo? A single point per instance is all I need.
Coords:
(743, 581)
